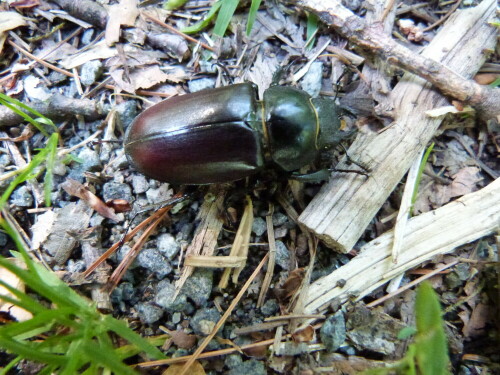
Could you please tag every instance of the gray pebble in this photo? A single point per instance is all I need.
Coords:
(4, 160)
(90, 160)
(114, 190)
(3, 239)
(161, 194)
(201, 84)
(78, 266)
(199, 286)
(282, 255)
(139, 184)
(127, 111)
(233, 360)
(204, 321)
(90, 72)
(279, 219)
(463, 271)
(121, 161)
(259, 226)
(333, 332)
(152, 260)
(176, 317)
(148, 313)
(87, 36)
(164, 298)
(128, 291)
(168, 245)
(251, 366)
(270, 307)
(311, 83)
(21, 197)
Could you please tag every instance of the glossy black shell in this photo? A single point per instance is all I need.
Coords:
(200, 138)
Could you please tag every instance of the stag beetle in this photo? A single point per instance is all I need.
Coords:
(226, 134)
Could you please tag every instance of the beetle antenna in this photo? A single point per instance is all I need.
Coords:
(363, 166)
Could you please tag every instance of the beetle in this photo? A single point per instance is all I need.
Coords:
(226, 134)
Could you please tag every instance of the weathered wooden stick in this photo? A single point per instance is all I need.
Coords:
(449, 80)
(436, 232)
(342, 210)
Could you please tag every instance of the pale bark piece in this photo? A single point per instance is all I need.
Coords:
(342, 210)
(436, 232)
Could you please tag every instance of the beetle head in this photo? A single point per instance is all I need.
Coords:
(329, 123)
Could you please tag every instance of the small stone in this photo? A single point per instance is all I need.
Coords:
(201, 84)
(282, 255)
(311, 83)
(199, 286)
(452, 280)
(128, 291)
(176, 317)
(152, 260)
(36, 89)
(90, 72)
(87, 36)
(114, 190)
(90, 159)
(251, 366)
(168, 246)
(165, 298)
(279, 219)
(333, 332)
(3, 239)
(161, 194)
(233, 360)
(21, 197)
(204, 321)
(127, 111)
(259, 226)
(270, 307)
(463, 271)
(139, 184)
(4, 160)
(78, 266)
(149, 313)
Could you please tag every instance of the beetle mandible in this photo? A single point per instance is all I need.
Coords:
(226, 134)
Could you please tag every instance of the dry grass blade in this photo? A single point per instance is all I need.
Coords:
(132, 254)
(205, 238)
(240, 244)
(117, 245)
(272, 258)
(205, 261)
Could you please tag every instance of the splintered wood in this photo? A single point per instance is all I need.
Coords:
(340, 213)
(436, 232)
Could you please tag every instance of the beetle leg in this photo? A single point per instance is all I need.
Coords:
(318, 176)
(364, 167)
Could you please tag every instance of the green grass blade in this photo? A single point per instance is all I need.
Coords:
(13, 105)
(49, 167)
(6, 370)
(121, 329)
(173, 4)
(431, 350)
(197, 27)
(312, 29)
(29, 351)
(106, 356)
(29, 171)
(420, 173)
(226, 12)
(252, 15)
